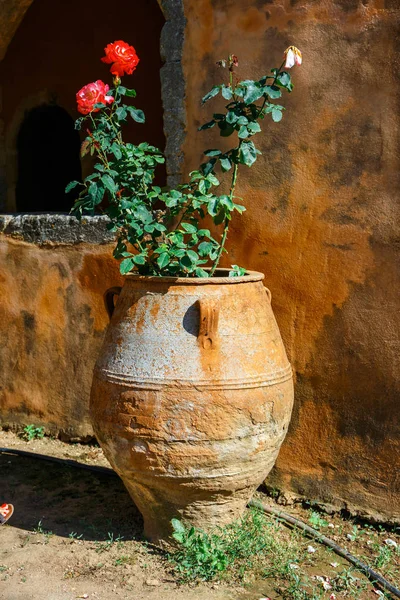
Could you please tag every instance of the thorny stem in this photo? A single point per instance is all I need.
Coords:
(227, 219)
(102, 155)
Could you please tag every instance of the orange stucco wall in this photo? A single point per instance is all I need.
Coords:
(322, 203)
(52, 324)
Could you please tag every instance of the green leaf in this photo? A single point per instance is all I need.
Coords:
(116, 150)
(226, 201)
(276, 115)
(212, 152)
(231, 117)
(225, 164)
(213, 206)
(253, 93)
(208, 166)
(96, 193)
(207, 125)
(121, 113)
(243, 133)
(200, 273)
(203, 233)
(142, 214)
(126, 204)
(247, 153)
(139, 259)
(213, 92)
(163, 260)
(212, 179)
(237, 271)
(273, 91)
(205, 248)
(130, 93)
(242, 120)
(194, 257)
(126, 266)
(204, 186)
(226, 92)
(254, 127)
(71, 186)
(284, 80)
(136, 114)
(189, 228)
(177, 526)
(239, 208)
(109, 183)
(186, 262)
(92, 190)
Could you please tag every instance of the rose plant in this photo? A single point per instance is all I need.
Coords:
(159, 231)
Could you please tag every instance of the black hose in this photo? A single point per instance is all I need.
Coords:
(370, 573)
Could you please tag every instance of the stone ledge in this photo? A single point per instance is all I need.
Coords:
(56, 228)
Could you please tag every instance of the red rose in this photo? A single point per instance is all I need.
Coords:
(123, 57)
(91, 94)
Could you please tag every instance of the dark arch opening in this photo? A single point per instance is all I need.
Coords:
(48, 159)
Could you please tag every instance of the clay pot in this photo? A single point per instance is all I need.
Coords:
(192, 396)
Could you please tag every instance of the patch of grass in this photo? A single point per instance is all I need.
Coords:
(259, 547)
(246, 548)
(31, 432)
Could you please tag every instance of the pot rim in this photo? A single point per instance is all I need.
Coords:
(250, 277)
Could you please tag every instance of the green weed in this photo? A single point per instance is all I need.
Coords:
(108, 544)
(249, 546)
(46, 534)
(317, 521)
(74, 536)
(31, 432)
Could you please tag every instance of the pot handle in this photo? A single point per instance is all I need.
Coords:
(208, 329)
(267, 291)
(109, 299)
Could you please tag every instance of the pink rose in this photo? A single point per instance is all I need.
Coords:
(91, 94)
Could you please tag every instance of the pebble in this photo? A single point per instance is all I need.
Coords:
(311, 549)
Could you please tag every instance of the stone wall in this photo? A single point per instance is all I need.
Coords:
(322, 223)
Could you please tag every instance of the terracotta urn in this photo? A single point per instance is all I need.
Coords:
(192, 396)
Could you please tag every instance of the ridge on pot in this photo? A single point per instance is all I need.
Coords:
(191, 397)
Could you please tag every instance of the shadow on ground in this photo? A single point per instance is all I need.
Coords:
(67, 500)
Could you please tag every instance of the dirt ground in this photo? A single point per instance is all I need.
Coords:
(77, 534)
